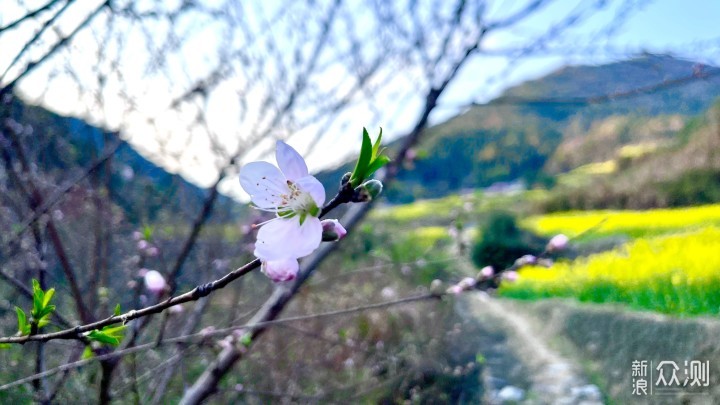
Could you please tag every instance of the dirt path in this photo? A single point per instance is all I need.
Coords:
(529, 370)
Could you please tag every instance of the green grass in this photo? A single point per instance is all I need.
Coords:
(473, 205)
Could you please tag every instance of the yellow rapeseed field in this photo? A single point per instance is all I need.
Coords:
(593, 224)
(677, 274)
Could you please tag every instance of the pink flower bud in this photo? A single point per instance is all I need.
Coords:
(152, 251)
(558, 242)
(456, 289)
(467, 283)
(137, 235)
(510, 276)
(526, 260)
(332, 230)
(281, 269)
(154, 281)
(487, 272)
(545, 263)
(142, 244)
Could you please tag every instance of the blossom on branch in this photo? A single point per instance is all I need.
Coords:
(295, 197)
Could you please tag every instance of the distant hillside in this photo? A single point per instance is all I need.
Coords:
(685, 172)
(140, 188)
(514, 138)
(605, 136)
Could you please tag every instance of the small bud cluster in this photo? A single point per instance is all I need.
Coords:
(556, 243)
(467, 283)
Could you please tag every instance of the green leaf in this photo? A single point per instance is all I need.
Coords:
(114, 331)
(102, 337)
(363, 160)
(87, 353)
(111, 335)
(48, 296)
(246, 339)
(44, 320)
(376, 147)
(377, 164)
(5, 346)
(117, 310)
(38, 298)
(36, 286)
(147, 232)
(23, 327)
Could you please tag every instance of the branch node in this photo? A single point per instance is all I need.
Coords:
(203, 290)
(124, 317)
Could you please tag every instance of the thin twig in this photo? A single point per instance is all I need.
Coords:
(200, 336)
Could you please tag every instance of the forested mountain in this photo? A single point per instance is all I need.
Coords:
(574, 116)
(62, 147)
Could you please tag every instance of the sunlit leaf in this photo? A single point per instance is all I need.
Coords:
(147, 232)
(87, 353)
(38, 298)
(377, 164)
(48, 296)
(102, 337)
(23, 327)
(115, 331)
(363, 160)
(376, 147)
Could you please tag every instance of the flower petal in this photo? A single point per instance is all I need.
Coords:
(286, 238)
(265, 184)
(312, 186)
(280, 270)
(290, 162)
